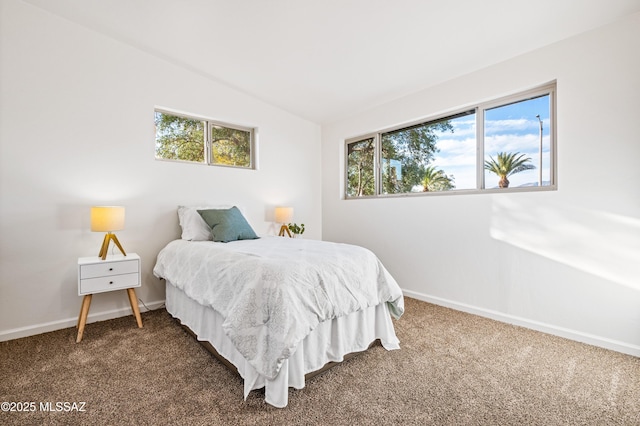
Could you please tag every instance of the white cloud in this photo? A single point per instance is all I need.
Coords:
(456, 152)
(509, 125)
(528, 143)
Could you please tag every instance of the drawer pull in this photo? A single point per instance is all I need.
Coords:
(110, 282)
(111, 269)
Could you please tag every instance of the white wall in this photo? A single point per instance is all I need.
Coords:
(566, 261)
(77, 130)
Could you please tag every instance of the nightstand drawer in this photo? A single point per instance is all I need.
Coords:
(106, 269)
(116, 282)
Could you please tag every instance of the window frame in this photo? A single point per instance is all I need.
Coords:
(480, 109)
(208, 123)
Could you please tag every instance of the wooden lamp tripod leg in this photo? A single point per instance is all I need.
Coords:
(117, 243)
(284, 229)
(105, 245)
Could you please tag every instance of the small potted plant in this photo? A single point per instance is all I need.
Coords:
(296, 229)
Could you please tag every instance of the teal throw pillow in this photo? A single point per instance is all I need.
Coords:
(228, 225)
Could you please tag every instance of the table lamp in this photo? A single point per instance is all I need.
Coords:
(107, 219)
(284, 216)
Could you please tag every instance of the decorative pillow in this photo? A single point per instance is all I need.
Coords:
(194, 228)
(228, 225)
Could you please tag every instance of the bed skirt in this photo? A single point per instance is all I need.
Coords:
(329, 342)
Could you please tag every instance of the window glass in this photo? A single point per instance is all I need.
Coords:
(456, 154)
(179, 138)
(230, 147)
(360, 170)
(405, 155)
(517, 144)
(425, 157)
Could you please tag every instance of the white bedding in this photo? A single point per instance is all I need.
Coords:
(272, 292)
(330, 341)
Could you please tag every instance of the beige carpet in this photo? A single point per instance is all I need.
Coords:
(453, 369)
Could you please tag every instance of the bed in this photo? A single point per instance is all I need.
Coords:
(274, 308)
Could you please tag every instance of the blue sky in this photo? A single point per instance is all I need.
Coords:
(510, 128)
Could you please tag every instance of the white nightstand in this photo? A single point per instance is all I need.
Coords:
(117, 272)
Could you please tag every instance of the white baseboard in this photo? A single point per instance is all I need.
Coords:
(578, 336)
(32, 330)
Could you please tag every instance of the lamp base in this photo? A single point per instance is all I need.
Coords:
(108, 237)
(284, 229)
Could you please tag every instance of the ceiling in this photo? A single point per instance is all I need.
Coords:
(326, 59)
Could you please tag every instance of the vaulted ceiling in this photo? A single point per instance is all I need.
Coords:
(326, 59)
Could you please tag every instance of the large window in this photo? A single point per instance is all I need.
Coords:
(506, 144)
(185, 138)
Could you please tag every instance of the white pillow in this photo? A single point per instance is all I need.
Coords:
(194, 228)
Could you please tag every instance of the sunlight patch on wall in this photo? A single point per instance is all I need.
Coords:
(600, 243)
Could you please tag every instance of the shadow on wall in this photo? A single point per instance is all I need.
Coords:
(600, 243)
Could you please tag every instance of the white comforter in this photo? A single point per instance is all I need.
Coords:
(273, 291)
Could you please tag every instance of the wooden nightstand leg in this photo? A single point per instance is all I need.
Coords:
(133, 299)
(82, 319)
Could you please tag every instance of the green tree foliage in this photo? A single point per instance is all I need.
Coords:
(436, 180)
(508, 164)
(360, 175)
(230, 147)
(406, 154)
(179, 138)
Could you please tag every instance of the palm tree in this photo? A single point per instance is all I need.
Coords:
(436, 180)
(507, 165)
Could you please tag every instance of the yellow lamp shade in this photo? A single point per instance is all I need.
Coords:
(107, 218)
(284, 214)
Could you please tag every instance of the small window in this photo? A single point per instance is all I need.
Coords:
(507, 144)
(185, 138)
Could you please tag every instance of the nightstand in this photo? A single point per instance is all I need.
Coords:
(117, 272)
